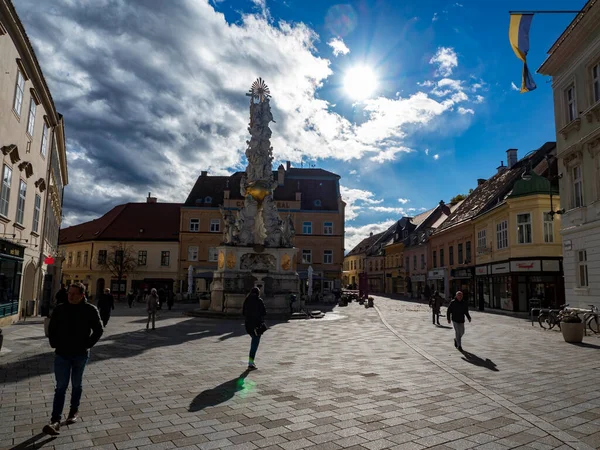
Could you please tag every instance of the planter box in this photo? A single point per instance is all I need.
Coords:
(572, 332)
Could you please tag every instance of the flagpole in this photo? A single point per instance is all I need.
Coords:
(544, 12)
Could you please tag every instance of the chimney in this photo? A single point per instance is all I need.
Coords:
(442, 203)
(226, 194)
(298, 196)
(480, 181)
(288, 165)
(501, 168)
(280, 175)
(204, 173)
(150, 199)
(511, 157)
(371, 234)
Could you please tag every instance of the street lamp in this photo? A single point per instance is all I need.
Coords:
(527, 176)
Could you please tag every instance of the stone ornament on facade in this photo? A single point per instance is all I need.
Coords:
(221, 260)
(286, 262)
(258, 222)
(258, 262)
(231, 261)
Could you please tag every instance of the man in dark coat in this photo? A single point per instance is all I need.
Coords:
(254, 312)
(74, 328)
(61, 296)
(106, 304)
(458, 310)
(435, 303)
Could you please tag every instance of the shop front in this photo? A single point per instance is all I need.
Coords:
(11, 267)
(462, 280)
(418, 285)
(437, 280)
(515, 285)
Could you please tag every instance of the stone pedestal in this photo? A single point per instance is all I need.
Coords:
(242, 268)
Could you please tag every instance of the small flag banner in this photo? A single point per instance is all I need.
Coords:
(518, 34)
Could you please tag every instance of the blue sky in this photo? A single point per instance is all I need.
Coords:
(152, 94)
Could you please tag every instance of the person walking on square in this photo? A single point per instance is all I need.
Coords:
(106, 303)
(170, 299)
(254, 312)
(151, 307)
(74, 328)
(435, 303)
(130, 298)
(457, 311)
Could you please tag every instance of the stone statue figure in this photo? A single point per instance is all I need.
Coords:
(272, 222)
(288, 232)
(230, 229)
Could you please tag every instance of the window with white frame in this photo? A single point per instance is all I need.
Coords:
(306, 256)
(215, 225)
(44, 146)
(596, 83)
(78, 259)
(328, 257)
(21, 202)
(192, 253)
(571, 104)
(19, 92)
(524, 228)
(195, 225)
(307, 228)
(502, 235)
(36, 213)
(548, 228)
(85, 258)
(142, 257)
(165, 258)
(582, 269)
(481, 240)
(213, 254)
(327, 227)
(577, 187)
(5, 194)
(31, 119)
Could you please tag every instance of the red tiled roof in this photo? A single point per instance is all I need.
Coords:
(129, 222)
(365, 244)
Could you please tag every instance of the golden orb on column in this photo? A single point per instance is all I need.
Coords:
(259, 190)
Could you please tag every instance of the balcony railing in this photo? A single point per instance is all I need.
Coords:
(9, 309)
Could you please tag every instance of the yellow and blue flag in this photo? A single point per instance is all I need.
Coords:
(518, 33)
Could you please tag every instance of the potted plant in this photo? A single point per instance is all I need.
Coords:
(571, 327)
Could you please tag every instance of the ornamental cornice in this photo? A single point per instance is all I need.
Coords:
(592, 112)
(574, 125)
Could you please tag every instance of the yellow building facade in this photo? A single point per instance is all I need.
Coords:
(394, 268)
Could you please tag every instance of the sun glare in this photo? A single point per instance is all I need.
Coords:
(360, 82)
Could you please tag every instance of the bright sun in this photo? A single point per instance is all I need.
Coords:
(360, 82)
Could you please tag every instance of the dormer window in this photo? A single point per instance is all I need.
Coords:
(208, 199)
(317, 202)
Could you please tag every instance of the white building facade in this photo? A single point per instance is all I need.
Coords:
(33, 172)
(574, 64)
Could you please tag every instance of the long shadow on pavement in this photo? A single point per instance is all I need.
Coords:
(477, 361)
(219, 394)
(129, 344)
(32, 442)
(586, 345)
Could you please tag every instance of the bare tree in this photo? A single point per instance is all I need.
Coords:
(121, 260)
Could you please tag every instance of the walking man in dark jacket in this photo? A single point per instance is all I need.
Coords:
(106, 303)
(435, 303)
(458, 310)
(254, 313)
(74, 328)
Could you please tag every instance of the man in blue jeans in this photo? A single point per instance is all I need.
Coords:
(74, 328)
(254, 314)
(458, 310)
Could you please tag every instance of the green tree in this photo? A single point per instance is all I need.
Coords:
(457, 198)
(120, 261)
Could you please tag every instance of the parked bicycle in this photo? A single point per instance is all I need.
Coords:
(591, 320)
(549, 318)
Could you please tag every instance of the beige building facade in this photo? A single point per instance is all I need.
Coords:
(574, 64)
(33, 175)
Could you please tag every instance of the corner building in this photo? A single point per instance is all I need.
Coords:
(311, 196)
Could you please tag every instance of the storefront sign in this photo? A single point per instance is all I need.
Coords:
(462, 273)
(525, 266)
(438, 274)
(481, 270)
(551, 265)
(418, 278)
(501, 268)
(8, 248)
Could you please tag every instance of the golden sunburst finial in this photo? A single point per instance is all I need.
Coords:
(259, 90)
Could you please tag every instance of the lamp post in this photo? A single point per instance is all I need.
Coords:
(526, 176)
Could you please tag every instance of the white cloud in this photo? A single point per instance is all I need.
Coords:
(426, 83)
(464, 111)
(514, 87)
(422, 209)
(404, 201)
(356, 234)
(388, 209)
(478, 99)
(446, 60)
(356, 200)
(194, 116)
(338, 46)
(427, 151)
(353, 172)
(435, 17)
(436, 156)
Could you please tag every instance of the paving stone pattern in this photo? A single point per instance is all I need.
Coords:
(374, 378)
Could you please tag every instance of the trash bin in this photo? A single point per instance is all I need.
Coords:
(29, 308)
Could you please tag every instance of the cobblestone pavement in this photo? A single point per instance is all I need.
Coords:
(374, 378)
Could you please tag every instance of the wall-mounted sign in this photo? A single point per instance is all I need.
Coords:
(8, 248)
(501, 268)
(437, 274)
(526, 266)
(481, 270)
(462, 273)
(567, 245)
(418, 278)
(551, 265)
